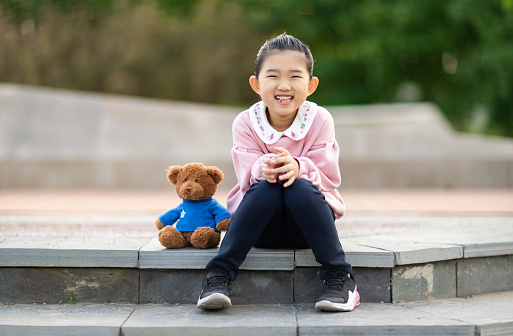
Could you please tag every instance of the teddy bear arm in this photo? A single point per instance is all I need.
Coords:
(223, 224)
(159, 224)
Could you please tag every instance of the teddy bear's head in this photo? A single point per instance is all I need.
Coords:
(194, 181)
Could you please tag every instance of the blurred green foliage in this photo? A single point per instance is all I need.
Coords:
(456, 53)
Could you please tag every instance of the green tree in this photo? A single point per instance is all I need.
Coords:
(455, 53)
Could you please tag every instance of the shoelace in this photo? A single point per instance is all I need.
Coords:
(334, 283)
(216, 281)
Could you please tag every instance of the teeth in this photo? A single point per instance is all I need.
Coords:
(283, 99)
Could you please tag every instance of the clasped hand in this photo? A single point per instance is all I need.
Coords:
(281, 168)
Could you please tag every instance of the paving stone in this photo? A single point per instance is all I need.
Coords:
(66, 319)
(86, 218)
(155, 256)
(477, 276)
(378, 319)
(481, 315)
(373, 284)
(51, 285)
(409, 250)
(492, 313)
(70, 252)
(487, 250)
(424, 281)
(183, 286)
(487, 240)
(188, 320)
(356, 254)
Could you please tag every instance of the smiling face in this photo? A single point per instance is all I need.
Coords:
(283, 84)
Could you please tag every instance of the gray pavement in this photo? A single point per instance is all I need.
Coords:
(480, 315)
(369, 212)
(41, 228)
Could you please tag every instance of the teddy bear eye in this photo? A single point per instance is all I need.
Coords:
(196, 181)
(185, 180)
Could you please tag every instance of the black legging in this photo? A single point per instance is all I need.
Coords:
(272, 216)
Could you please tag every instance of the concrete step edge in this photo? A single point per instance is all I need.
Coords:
(479, 315)
(147, 253)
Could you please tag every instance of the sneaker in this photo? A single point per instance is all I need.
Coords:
(215, 291)
(340, 293)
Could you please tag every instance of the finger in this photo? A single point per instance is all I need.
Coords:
(270, 163)
(267, 171)
(289, 182)
(283, 161)
(282, 150)
(286, 168)
(269, 176)
(286, 176)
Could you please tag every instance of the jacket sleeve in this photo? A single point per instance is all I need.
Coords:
(319, 164)
(247, 154)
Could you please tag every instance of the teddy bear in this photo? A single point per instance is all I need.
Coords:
(200, 217)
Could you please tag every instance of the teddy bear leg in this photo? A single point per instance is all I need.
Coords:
(205, 237)
(171, 238)
(187, 236)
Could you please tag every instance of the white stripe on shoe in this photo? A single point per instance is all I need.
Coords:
(214, 301)
(352, 302)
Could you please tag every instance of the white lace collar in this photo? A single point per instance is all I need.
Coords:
(296, 131)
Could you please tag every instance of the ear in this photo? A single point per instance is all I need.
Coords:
(312, 86)
(172, 174)
(253, 82)
(216, 174)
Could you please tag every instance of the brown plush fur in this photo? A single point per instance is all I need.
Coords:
(193, 182)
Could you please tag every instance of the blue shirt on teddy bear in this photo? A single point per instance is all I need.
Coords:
(194, 214)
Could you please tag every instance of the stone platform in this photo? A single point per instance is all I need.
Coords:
(50, 249)
(442, 262)
(423, 268)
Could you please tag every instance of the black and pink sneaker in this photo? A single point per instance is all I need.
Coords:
(215, 291)
(340, 293)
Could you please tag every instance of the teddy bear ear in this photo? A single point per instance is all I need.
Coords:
(216, 174)
(172, 174)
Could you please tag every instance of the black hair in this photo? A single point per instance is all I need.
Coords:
(280, 43)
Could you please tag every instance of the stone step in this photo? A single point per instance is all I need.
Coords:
(477, 316)
(444, 262)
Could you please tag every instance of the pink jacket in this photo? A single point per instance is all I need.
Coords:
(310, 140)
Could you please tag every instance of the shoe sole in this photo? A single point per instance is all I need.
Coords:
(352, 303)
(214, 302)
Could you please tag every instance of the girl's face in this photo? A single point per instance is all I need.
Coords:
(284, 83)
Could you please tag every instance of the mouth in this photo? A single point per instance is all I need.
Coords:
(283, 99)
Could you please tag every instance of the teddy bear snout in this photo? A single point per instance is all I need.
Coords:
(192, 191)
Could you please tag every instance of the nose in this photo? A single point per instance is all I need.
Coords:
(284, 85)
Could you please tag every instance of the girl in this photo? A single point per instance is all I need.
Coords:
(286, 160)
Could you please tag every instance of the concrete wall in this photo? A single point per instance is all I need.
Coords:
(53, 138)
